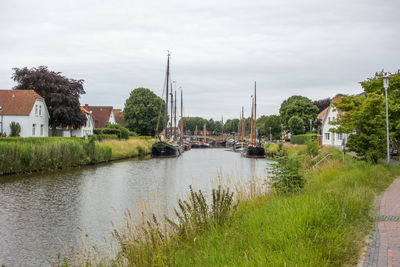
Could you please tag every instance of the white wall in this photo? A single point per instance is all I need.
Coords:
(112, 118)
(39, 117)
(87, 128)
(329, 138)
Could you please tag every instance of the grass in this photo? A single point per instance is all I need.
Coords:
(19, 155)
(324, 224)
(132, 147)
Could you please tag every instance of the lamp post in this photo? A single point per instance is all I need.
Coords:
(386, 86)
(270, 135)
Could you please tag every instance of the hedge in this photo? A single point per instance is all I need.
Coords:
(301, 139)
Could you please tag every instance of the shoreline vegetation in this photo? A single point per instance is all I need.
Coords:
(24, 155)
(316, 213)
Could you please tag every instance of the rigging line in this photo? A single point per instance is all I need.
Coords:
(162, 97)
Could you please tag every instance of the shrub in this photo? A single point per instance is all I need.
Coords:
(124, 131)
(301, 139)
(286, 177)
(111, 131)
(312, 147)
(15, 129)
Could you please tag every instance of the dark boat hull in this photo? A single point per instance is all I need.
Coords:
(162, 149)
(255, 152)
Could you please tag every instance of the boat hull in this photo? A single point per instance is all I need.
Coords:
(255, 152)
(163, 149)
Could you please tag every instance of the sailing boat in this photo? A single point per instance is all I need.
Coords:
(204, 144)
(164, 148)
(254, 150)
(240, 145)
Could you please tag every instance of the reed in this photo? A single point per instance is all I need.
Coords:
(25, 155)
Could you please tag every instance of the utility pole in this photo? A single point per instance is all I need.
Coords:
(386, 86)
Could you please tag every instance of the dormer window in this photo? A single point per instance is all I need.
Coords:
(40, 110)
(36, 110)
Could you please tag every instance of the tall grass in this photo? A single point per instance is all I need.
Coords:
(132, 147)
(30, 154)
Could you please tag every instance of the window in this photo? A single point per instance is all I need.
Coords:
(327, 136)
(33, 129)
(36, 109)
(41, 130)
(340, 136)
(329, 119)
(40, 110)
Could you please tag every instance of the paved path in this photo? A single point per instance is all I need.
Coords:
(384, 248)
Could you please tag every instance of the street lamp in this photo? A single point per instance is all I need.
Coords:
(270, 135)
(386, 86)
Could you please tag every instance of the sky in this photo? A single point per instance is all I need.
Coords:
(218, 48)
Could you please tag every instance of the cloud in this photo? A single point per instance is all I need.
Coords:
(219, 48)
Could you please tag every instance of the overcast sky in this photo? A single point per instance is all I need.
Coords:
(312, 48)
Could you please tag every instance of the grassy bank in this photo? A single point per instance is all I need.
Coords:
(19, 155)
(324, 224)
(133, 147)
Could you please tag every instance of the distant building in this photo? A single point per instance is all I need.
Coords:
(328, 137)
(101, 115)
(119, 116)
(27, 108)
(69, 131)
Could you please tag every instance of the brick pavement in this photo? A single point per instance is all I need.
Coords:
(384, 247)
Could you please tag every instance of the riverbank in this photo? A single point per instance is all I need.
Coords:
(21, 155)
(323, 224)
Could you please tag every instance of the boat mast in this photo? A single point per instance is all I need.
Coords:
(251, 121)
(166, 98)
(172, 107)
(222, 126)
(181, 117)
(197, 134)
(243, 125)
(255, 113)
(204, 133)
(175, 128)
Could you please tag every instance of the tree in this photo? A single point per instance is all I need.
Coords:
(61, 94)
(232, 126)
(364, 118)
(296, 125)
(322, 103)
(274, 122)
(300, 106)
(143, 111)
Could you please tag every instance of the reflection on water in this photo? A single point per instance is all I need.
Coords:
(40, 212)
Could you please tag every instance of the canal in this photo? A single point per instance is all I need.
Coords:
(40, 212)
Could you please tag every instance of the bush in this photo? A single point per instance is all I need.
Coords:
(15, 129)
(286, 176)
(312, 147)
(301, 139)
(111, 131)
(125, 133)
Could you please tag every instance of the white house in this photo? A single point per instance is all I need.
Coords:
(328, 137)
(86, 129)
(27, 108)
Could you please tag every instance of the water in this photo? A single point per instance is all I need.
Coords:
(40, 212)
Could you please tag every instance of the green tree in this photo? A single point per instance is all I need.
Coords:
(296, 125)
(364, 118)
(300, 106)
(60, 93)
(143, 111)
(274, 122)
(232, 126)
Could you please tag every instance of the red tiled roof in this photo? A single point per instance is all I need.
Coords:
(17, 102)
(322, 113)
(101, 114)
